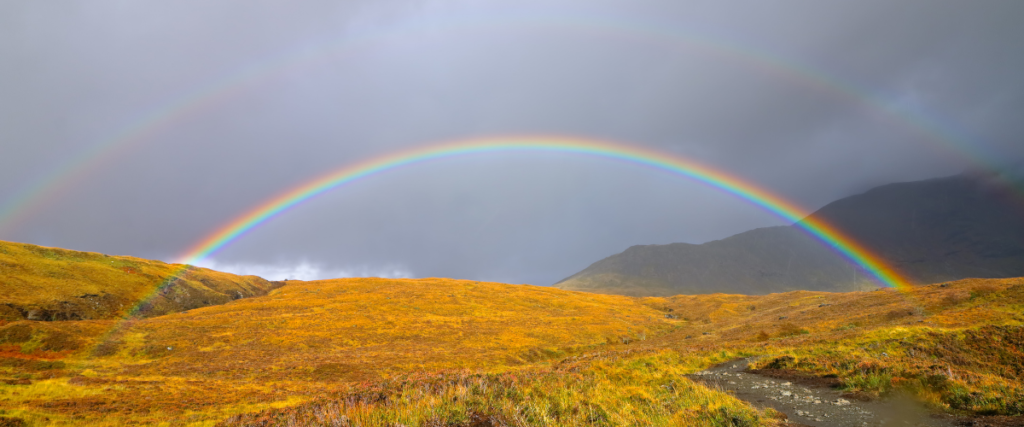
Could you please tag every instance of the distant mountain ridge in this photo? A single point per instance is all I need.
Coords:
(931, 231)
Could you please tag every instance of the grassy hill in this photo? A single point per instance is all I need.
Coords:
(41, 283)
(956, 346)
(461, 353)
(931, 231)
(304, 340)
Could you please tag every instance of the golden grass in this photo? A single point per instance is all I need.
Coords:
(455, 352)
(617, 389)
(356, 329)
(310, 338)
(42, 283)
(957, 346)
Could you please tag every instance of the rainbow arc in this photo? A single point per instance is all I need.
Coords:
(675, 165)
(669, 163)
(206, 97)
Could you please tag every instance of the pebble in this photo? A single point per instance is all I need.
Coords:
(792, 398)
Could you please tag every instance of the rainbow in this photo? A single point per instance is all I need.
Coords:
(675, 165)
(205, 97)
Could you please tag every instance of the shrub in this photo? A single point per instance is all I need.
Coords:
(788, 329)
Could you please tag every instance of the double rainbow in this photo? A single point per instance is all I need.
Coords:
(205, 97)
(675, 165)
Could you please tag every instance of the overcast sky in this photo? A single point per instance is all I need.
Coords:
(814, 100)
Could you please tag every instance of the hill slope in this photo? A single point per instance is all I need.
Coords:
(378, 352)
(300, 341)
(931, 231)
(41, 283)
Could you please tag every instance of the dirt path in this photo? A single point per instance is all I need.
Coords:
(812, 402)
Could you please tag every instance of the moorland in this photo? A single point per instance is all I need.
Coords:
(107, 341)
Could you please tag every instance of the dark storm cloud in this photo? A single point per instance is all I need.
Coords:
(71, 76)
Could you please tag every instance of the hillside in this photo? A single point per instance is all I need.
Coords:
(955, 346)
(41, 283)
(431, 352)
(931, 231)
(301, 341)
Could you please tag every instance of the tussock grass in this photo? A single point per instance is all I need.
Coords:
(620, 389)
(971, 371)
(41, 283)
(441, 352)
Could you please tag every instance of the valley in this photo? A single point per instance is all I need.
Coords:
(449, 352)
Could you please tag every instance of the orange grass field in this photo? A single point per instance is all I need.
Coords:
(442, 352)
(42, 283)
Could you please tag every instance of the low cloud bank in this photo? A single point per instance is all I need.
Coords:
(302, 271)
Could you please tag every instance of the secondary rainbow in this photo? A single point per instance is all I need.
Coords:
(673, 164)
(193, 103)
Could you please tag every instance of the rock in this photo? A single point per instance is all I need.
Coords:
(787, 383)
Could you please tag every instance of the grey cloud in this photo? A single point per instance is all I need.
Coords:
(71, 77)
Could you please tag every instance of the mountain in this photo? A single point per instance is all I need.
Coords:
(931, 231)
(42, 283)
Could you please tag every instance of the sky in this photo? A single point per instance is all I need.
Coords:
(140, 128)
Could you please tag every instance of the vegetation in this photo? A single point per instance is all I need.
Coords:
(41, 283)
(968, 359)
(441, 352)
(957, 346)
(621, 388)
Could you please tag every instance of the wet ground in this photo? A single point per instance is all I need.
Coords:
(816, 401)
